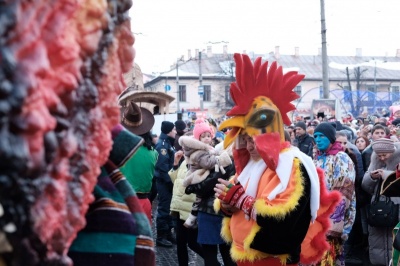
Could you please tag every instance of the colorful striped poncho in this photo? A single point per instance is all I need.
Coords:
(117, 230)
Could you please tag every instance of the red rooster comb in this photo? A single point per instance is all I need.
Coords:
(253, 80)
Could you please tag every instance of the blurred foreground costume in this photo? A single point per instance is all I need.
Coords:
(61, 65)
(283, 203)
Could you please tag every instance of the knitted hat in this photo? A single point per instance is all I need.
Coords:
(180, 126)
(394, 108)
(328, 130)
(200, 127)
(337, 125)
(383, 145)
(125, 144)
(301, 124)
(167, 127)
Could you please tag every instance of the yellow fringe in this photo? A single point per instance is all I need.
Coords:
(279, 213)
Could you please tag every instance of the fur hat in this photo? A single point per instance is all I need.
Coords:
(200, 127)
(167, 127)
(328, 130)
(137, 120)
(383, 145)
(301, 124)
(125, 144)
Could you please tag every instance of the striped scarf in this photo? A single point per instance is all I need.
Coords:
(117, 230)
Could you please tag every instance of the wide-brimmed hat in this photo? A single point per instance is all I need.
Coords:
(391, 186)
(137, 120)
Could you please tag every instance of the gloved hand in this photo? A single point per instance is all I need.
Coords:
(236, 196)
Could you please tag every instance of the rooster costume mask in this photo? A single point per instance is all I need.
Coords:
(288, 205)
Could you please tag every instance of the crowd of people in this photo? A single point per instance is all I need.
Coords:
(368, 148)
(249, 190)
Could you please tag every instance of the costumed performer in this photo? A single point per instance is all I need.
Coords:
(277, 205)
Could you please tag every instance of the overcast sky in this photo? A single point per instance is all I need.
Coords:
(166, 29)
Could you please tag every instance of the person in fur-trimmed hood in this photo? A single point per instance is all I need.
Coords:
(201, 157)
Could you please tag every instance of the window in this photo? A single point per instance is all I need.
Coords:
(371, 92)
(297, 90)
(227, 94)
(182, 93)
(207, 93)
(395, 93)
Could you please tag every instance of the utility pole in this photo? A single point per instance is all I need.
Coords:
(177, 88)
(375, 90)
(200, 83)
(325, 72)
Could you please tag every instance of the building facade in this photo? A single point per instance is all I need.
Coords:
(360, 84)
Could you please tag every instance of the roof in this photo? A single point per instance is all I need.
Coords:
(222, 65)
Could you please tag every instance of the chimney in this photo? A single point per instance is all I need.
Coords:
(209, 51)
(398, 53)
(358, 52)
(277, 55)
(296, 52)
(189, 54)
(196, 56)
(225, 50)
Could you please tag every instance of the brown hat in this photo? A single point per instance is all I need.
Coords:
(137, 120)
(383, 145)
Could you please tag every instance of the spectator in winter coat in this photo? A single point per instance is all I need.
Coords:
(305, 142)
(384, 159)
(340, 175)
(181, 205)
(165, 162)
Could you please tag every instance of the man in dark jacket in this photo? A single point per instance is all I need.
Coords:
(304, 140)
(166, 151)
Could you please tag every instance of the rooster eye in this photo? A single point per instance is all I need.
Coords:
(261, 118)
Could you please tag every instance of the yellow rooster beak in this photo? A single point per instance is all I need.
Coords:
(236, 124)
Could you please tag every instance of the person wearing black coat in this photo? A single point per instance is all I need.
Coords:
(210, 222)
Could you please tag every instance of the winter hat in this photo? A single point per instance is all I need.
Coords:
(125, 144)
(383, 145)
(328, 130)
(180, 126)
(167, 127)
(301, 124)
(337, 125)
(396, 122)
(200, 127)
(394, 108)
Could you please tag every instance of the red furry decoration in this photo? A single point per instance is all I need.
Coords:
(61, 65)
(317, 230)
(252, 81)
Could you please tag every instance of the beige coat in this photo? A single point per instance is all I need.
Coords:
(181, 202)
